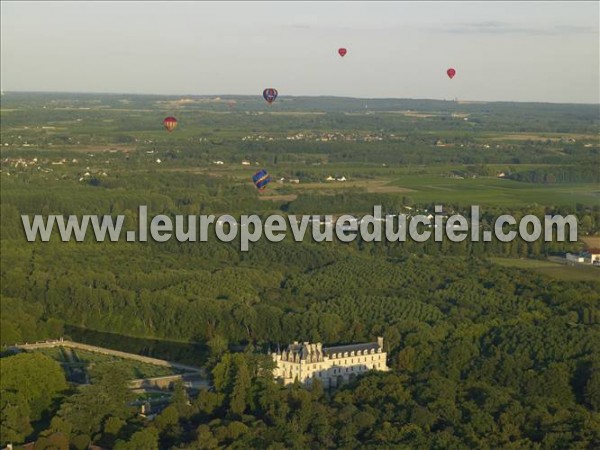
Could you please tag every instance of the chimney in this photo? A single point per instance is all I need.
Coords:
(380, 342)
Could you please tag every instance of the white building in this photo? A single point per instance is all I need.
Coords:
(331, 365)
(592, 256)
(589, 256)
(575, 258)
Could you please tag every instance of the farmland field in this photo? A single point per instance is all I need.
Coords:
(579, 272)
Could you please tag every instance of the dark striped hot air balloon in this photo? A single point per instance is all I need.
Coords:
(170, 123)
(261, 179)
(270, 95)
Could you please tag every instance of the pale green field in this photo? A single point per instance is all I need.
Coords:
(489, 191)
(552, 269)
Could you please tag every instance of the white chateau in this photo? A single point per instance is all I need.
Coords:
(331, 365)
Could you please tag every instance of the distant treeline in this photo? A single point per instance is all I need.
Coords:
(583, 173)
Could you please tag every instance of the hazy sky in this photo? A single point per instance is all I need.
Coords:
(534, 51)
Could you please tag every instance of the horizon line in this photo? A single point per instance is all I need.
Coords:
(298, 96)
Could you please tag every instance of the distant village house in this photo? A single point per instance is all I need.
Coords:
(589, 256)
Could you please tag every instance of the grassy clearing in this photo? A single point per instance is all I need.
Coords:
(538, 137)
(551, 269)
(373, 186)
(279, 198)
(496, 191)
(418, 115)
(297, 113)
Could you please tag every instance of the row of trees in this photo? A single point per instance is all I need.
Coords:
(585, 173)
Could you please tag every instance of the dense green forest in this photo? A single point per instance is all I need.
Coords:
(482, 356)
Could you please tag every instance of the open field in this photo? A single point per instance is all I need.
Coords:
(372, 186)
(496, 191)
(279, 198)
(416, 114)
(384, 186)
(578, 272)
(479, 191)
(297, 113)
(592, 242)
(555, 137)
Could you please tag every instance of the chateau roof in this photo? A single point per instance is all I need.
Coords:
(307, 351)
(350, 348)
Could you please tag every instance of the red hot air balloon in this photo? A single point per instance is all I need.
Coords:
(170, 123)
(451, 72)
(342, 52)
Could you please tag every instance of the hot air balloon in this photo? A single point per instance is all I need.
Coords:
(451, 72)
(261, 179)
(270, 95)
(170, 123)
(342, 51)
